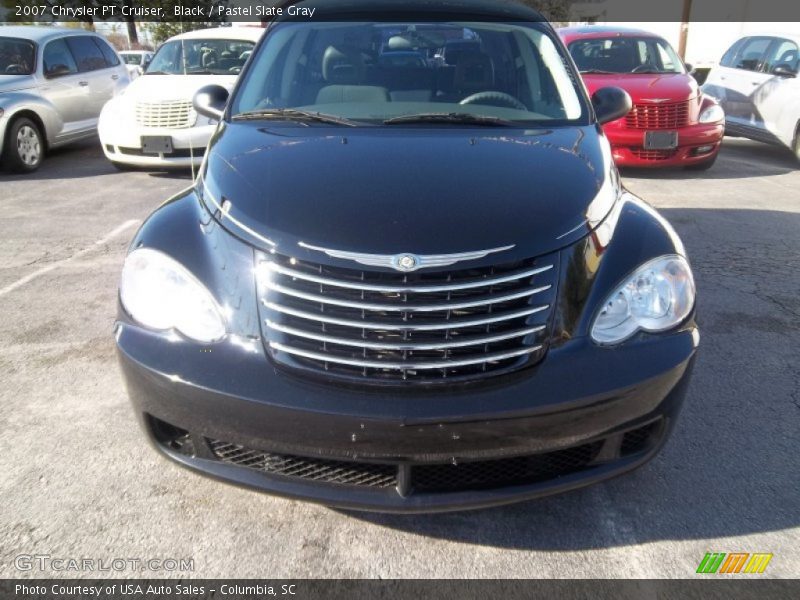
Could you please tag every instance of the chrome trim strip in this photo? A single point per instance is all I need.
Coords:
(224, 213)
(462, 343)
(390, 261)
(484, 358)
(484, 301)
(371, 287)
(455, 324)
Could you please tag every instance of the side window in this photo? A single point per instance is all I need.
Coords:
(783, 53)
(58, 60)
(86, 53)
(727, 58)
(108, 53)
(751, 54)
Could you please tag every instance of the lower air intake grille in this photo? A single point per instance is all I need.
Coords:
(382, 326)
(519, 470)
(314, 469)
(433, 478)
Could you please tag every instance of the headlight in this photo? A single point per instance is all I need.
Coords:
(712, 114)
(658, 296)
(161, 294)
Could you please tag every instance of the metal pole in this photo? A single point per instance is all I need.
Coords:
(686, 14)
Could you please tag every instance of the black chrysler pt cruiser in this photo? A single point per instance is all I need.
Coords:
(407, 277)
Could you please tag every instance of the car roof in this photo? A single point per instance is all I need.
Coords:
(36, 33)
(773, 34)
(590, 31)
(252, 34)
(417, 10)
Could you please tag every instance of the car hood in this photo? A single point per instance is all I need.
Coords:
(153, 88)
(15, 83)
(668, 87)
(423, 190)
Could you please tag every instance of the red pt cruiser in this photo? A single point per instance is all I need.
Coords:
(672, 122)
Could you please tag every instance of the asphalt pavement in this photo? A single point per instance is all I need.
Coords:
(78, 480)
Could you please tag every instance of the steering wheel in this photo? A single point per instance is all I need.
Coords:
(494, 99)
(644, 67)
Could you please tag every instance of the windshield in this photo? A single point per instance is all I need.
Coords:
(625, 55)
(377, 72)
(200, 57)
(17, 56)
(131, 59)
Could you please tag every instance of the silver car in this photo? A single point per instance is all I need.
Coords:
(757, 85)
(53, 84)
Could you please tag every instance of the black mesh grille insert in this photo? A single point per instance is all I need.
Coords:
(637, 440)
(314, 469)
(519, 470)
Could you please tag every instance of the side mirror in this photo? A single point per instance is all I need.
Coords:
(210, 101)
(689, 68)
(610, 104)
(784, 71)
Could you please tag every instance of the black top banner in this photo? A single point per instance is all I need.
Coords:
(771, 12)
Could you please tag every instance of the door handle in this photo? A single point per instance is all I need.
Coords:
(83, 83)
(115, 77)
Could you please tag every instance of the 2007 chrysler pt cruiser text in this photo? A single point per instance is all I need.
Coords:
(407, 277)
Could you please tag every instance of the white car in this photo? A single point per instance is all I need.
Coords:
(757, 85)
(153, 124)
(136, 61)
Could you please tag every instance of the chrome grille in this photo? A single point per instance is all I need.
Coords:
(392, 327)
(177, 114)
(658, 116)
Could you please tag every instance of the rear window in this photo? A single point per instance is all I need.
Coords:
(17, 56)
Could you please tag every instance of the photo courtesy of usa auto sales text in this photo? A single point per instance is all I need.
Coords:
(145, 591)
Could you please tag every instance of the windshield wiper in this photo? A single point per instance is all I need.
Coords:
(598, 72)
(453, 117)
(157, 73)
(294, 114)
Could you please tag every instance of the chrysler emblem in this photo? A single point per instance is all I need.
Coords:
(405, 262)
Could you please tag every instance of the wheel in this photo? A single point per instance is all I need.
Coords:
(703, 166)
(24, 148)
(796, 145)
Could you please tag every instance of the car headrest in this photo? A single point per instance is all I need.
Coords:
(343, 66)
(474, 70)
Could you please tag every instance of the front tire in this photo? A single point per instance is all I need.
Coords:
(24, 147)
(796, 145)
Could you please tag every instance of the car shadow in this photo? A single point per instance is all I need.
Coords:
(739, 158)
(730, 468)
(81, 160)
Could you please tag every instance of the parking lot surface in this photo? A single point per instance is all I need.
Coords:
(77, 478)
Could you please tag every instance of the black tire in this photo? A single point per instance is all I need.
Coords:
(703, 166)
(796, 145)
(24, 146)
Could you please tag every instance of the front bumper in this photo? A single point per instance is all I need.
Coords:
(627, 146)
(121, 139)
(570, 413)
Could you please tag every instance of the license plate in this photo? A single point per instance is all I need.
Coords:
(156, 144)
(660, 140)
